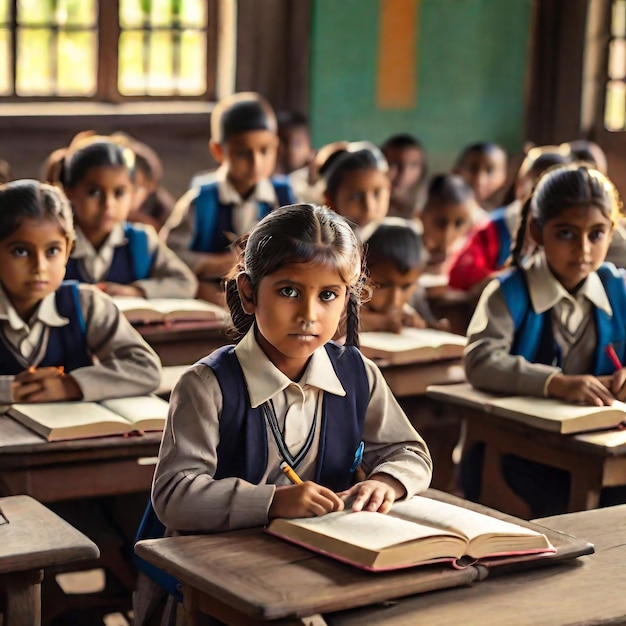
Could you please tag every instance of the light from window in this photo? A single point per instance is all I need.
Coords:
(162, 49)
(615, 102)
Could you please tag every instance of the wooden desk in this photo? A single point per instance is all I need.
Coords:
(455, 305)
(32, 539)
(81, 468)
(594, 460)
(184, 343)
(412, 379)
(247, 577)
(585, 591)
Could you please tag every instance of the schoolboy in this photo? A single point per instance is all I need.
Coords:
(207, 219)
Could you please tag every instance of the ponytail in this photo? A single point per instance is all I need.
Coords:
(520, 235)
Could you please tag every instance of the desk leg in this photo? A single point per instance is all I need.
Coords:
(586, 481)
(196, 603)
(23, 598)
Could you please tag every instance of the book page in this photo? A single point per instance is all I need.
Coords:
(55, 415)
(455, 519)
(373, 531)
(139, 408)
(460, 393)
(410, 339)
(171, 305)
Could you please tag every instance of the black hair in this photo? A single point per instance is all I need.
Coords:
(481, 147)
(298, 233)
(29, 199)
(402, 140)
(448, 189)
(288, 120)
(98, 152)
(395, 241)
(561, 188)
(344, 162)
(241, 113)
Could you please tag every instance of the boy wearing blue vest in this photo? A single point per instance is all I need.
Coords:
(208, 218)
(546, 327)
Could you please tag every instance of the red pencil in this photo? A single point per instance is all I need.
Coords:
(610, 352)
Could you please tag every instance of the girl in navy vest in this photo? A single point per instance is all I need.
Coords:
(544, 329)
(123, 259)
(60, 341)
(286, 392)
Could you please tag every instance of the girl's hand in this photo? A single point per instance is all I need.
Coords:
(115, 289)
(376, 494)
(305, 500)
(618, 384)
(585, 389)
(46, 384)
(412, 319)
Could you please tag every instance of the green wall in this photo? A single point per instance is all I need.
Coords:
(471, 68)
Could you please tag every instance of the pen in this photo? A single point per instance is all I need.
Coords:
(291, 475)
(610, 352)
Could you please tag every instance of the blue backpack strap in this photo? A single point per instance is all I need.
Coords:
(610, 329)
(498, 217)
(151, 527)
(284, 193)
(140, 257)
(527, 324)
(72, 285)
(206, 210)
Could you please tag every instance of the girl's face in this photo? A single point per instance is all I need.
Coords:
(101, 200)
(32, 263)
(297, 310)
(444, 226)
(363, 196)
(392, 288)
(575, 243)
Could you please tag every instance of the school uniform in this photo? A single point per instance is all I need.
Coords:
(568, 341)
(113, 359)
(132, 254)
(488, 248)
(206, 217)
(185, 495)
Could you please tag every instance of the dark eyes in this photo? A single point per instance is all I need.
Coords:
(291, 292)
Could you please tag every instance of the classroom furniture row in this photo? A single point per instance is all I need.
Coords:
(247, 577)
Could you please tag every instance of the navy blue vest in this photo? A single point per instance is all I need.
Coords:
(130, 262)
(498, 217)
(533, 337)
(214, 219)
(242, 451)
(67, 345)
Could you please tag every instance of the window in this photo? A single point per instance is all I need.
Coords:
(108, 50)
(615, 101)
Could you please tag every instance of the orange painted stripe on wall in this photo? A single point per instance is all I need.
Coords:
(397, 54)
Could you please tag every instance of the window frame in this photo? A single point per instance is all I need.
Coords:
(108, 33)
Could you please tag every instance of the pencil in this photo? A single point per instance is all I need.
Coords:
(610, 352)
(289, 472)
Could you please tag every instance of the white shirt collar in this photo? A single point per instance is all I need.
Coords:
(546, 291)
(263, 192)
(264, 380)
(46, 312)
(84, 248)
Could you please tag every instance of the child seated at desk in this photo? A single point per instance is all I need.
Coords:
(357, 185)
(394, 260)
(447, 217)
(219, 463)
(545, 328)
(123, 259)
(488, 249)
(483, 166)
(208, 218)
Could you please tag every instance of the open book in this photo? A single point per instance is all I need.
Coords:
(546, 413)
(415, 532)
(169, 310)
(77, 420)
(412, 345)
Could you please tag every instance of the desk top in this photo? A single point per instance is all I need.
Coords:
(584, 591)
(268, 579)
(33, 537)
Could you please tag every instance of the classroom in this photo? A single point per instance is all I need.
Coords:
(312, 312)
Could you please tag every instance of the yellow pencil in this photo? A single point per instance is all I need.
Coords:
(290, 473)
